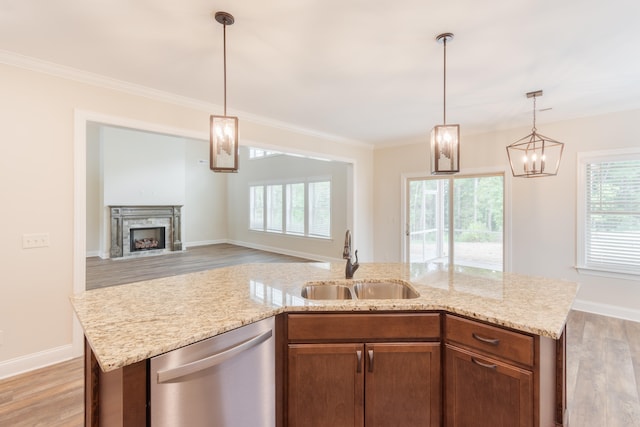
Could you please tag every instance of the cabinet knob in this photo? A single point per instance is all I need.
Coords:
(370, 353)
(359, 356)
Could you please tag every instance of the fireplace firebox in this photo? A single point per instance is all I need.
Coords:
(147, 239)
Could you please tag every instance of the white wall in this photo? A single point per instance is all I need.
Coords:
(543, 210)
(142, 168)
(40, 179)
(289, 169)
(204, 216)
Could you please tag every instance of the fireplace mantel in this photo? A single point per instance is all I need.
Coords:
(124, 218)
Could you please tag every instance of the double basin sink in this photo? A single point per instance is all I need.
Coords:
(358, 289)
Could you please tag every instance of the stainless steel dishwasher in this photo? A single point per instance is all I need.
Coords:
(223, 381)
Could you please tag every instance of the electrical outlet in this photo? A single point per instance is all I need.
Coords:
(35, 240)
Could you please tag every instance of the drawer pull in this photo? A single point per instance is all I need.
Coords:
(492, 341)
(370, 352)
(359, 356)
(484, 365)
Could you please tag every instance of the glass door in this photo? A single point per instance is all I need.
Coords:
(464, 226)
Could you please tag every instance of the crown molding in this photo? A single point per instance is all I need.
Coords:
(69, 73)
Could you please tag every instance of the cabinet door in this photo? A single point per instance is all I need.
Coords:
(402, 384)
(480, 391)
(325, 385)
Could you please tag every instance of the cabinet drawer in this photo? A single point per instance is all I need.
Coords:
(359, 327)
(490, 339)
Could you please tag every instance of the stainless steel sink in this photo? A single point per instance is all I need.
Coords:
(320, 291)
(384, 290)
(359, 289)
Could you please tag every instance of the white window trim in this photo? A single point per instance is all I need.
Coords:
(584, 158)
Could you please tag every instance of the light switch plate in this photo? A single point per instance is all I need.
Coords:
(35, 240)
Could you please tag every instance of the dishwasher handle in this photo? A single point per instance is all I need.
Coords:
(215, 359)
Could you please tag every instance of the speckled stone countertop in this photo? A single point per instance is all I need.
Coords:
(129, 323)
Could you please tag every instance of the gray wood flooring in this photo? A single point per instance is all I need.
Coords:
(603, 355)
(109, 272)
(603, 364)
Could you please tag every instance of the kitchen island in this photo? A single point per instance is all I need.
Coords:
(126, 325)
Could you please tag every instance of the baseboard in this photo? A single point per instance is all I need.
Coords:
(607, 310)
(27, 363)
(93, 254)
(313, 257)
(186, 245)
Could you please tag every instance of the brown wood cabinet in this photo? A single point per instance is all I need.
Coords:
(500, 378)
(481, 391)
(402, 384)
(326, 385)
(382, 369)
(363, 383)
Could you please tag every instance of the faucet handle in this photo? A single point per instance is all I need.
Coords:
(346, 253)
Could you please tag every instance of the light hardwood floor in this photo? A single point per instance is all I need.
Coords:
(603, 373)
(48, 397)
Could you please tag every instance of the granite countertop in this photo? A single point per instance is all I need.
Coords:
(129, 323)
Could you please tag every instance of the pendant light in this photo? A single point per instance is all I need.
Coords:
(445, 139)
(535, 155)
(223, 139)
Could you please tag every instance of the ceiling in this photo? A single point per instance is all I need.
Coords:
(361, 69)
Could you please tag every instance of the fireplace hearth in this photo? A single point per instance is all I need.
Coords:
(145, 230)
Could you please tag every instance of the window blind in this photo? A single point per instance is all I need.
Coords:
(320, 208)
(612, 217)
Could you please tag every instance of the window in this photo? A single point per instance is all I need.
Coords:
(609, 212)
(256, 207)
(473, 210)
(274, 208)
(300, 208)
(256, 153)
(295, 208)
(320, 208)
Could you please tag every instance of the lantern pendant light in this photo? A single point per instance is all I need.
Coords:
(223, 138)
(445, 139)
(535, 155)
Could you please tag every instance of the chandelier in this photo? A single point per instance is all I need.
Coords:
(535, 155)
(223, 137)
(445, 139)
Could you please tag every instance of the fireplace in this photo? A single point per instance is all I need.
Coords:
(145, 230)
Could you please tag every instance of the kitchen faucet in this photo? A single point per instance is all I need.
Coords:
(346, 254)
